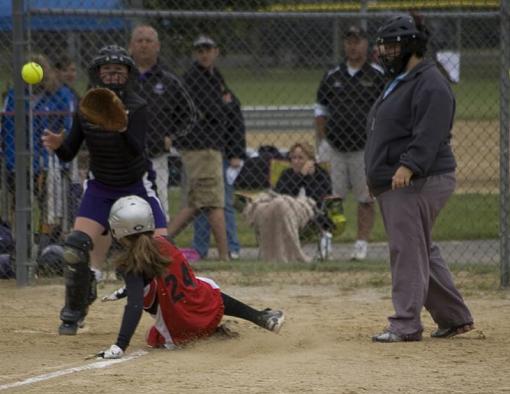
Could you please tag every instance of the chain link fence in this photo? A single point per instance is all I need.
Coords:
(272, 64)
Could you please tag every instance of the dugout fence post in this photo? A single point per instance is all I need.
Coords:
(23, 218)
(504, 144)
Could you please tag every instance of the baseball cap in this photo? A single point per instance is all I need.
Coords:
(355, 31)
(204, 41)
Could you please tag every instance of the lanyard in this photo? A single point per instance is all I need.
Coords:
(393, 84)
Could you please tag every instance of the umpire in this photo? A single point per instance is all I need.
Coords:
(344, 98)
(170, 107)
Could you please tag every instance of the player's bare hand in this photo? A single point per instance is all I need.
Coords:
(308, 168)
(401, 178)
(168, 143)
(51, 140)
(235, 162)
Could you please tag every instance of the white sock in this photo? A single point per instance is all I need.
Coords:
(97, 273)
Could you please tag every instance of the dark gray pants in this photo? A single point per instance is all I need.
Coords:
(420, 276)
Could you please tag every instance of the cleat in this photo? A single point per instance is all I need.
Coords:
(272, 320)
(68, 328)
(71, 328)
(359, 251)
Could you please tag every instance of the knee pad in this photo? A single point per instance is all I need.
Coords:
(77, 248)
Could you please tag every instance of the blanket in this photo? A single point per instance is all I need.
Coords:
(277, 220)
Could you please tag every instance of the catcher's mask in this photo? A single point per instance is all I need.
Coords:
(51, 260)
(131, 215)
(112, 54)
(402, 30)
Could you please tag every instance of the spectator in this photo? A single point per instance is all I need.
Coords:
(74, 172)
(279, 216)
(201, 149)
(67, 73)
(411, 170)
(344, 98)
(235, 152)
(170, 108)
(118, 167)
(374, 59)
(51, 105)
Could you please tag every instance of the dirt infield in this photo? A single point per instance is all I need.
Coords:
(324, 347)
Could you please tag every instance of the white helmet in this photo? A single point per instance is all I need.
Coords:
(131, 215)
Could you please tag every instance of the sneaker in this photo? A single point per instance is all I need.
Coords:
(359, 251)
(390, 337)
(452, 331)
(234, 255)
(272, 320)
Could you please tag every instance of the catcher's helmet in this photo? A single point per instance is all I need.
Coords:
(51, 260)
(413, 39)
(131, 215)
(111, 54)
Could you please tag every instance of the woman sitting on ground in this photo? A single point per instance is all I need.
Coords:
(279, 215)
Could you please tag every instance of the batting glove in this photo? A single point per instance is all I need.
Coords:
(112, 353)
(116, 295)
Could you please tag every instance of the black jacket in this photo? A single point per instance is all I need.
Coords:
(235, 130)
(116, 159)
(348, 101)
(206, 88)
(411, 127)
(317, 186)
(170, 107)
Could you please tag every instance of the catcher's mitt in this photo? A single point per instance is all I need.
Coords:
(102, 107)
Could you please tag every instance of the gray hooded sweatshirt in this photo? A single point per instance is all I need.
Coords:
(411, 126)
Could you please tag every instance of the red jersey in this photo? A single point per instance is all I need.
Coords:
(189, 307)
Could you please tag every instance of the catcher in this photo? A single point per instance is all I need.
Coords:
(160, 281)
(112, 121)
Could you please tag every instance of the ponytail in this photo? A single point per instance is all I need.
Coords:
(424, 34)
(141, 256)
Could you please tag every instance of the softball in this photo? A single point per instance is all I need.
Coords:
(32, 73)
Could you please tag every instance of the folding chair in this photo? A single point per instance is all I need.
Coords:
(329, 221)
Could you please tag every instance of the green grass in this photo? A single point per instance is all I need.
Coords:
(275, 86)
(254, 267)
(466, 216)
(472, 279)
(477, 99)
(477, 95)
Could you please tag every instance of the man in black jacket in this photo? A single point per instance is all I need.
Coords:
(234, 153)
(202, 149)
(170, 108)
